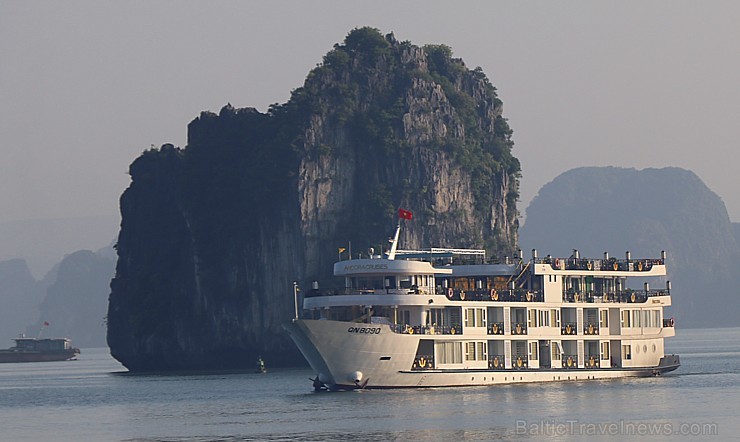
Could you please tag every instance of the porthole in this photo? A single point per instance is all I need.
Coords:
(637, 349)
(644, 348)
(655, 348)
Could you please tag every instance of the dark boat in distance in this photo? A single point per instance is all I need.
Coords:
(39, 350)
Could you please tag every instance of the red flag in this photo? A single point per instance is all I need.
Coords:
(405, 214)
(46, 323)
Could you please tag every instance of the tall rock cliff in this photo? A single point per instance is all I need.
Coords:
(213, 235)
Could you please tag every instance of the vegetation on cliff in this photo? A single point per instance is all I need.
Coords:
(213, 235)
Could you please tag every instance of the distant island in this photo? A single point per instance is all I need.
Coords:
(70, 301)
(610, 209)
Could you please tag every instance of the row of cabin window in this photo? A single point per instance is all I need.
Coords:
(476, 317)
(641, 318)
(551, 318)
(451, 352)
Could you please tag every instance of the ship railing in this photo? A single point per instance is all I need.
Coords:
(407, 329)
(519, 361)
(611, 264)
(423, 362)
(516, 295)
(570, 361)
(496, 361)
(591, 361)
(370, 291)
(569, 328)
(519, 328)
(591, 328)
(496, 328)
(624, 296)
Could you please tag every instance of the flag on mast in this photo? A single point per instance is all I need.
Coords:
(405, 214)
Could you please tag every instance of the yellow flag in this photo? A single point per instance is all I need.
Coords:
(342, 249)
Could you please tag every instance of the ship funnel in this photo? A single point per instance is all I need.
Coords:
(576, 254)
(521, 254)
(606, 256)
(534, 253)
(668, 286)
(662, 255)
(647, 287)
(627, 255)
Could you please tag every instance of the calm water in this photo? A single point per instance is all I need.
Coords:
(94, 399)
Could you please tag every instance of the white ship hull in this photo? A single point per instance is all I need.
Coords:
(348, 355)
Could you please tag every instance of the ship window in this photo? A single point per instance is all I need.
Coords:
(557, 351)
(449, 352)
(405, 317)
(405, 282)
(390, 282)
(436, 317)
(625, 318)
(603, 318)
(475, 317)
(604, 351)
(532, 317)
(636, 318)
(533, 351)
(555, 318)
(368, 282)
(470, 351)
(544, 318)
(627, 352)
(480, 353)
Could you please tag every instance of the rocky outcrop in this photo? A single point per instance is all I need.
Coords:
(213, 235)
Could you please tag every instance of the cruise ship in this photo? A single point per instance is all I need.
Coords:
(451, 317)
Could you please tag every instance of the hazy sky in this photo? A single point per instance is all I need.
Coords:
(86, 86)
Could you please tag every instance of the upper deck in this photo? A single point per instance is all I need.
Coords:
(610, 267)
